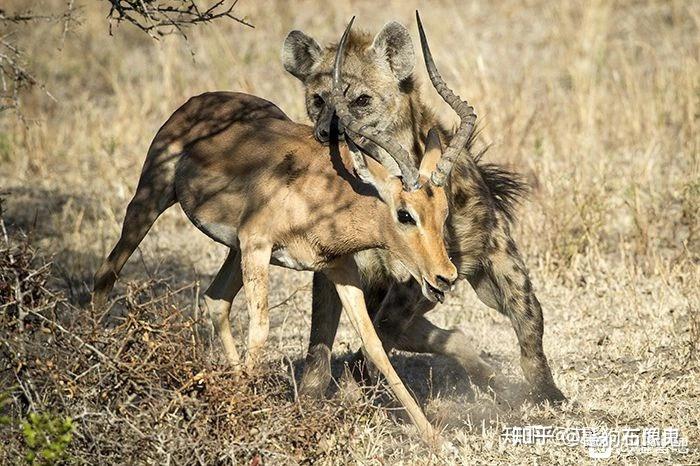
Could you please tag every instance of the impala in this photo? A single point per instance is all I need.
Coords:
(252, 179)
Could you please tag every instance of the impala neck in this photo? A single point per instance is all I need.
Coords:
(377, 229)
(370, 222)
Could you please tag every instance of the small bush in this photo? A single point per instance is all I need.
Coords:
(47, 437)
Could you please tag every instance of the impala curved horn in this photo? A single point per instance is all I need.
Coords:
(409, 173)
(467, 117)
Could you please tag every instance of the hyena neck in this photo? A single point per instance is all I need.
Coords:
(474, 212)
(413, 123)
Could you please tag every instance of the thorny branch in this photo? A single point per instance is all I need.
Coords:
(155, 17)
(163, 17)
(29, 16)
(14, 74)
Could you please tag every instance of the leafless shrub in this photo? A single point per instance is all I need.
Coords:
(144, 389)
(23, 278)
(159, 17)
(155, 17)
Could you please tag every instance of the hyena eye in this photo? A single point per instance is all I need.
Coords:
(362, 101)
(318, 101)
(405, 217)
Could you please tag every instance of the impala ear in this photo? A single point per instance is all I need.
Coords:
(373, 173)
(394, 44)
(300, 53)
(432, 154)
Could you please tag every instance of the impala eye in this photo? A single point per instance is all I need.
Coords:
(362, 101)
(318, 101)
(405, 217)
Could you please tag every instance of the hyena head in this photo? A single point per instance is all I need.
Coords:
(377, 73)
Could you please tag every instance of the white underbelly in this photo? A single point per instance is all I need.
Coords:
(283, 258)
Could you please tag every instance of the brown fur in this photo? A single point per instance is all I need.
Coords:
(252, 179)
(482, 200)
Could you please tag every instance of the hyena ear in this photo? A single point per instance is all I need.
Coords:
(299, 54)
(394, 44)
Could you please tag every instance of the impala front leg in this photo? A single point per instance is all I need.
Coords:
(346, 278)
(255, 267)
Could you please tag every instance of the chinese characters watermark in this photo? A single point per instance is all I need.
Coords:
(601, 442)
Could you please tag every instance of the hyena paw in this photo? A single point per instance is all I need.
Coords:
(317, 373)
(549, 394)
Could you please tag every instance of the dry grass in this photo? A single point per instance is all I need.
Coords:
(598, 103)
(143, 387)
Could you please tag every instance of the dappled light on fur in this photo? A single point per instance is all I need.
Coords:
(591, 104)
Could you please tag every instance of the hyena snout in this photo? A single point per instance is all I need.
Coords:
(326, 124)
(322, 134)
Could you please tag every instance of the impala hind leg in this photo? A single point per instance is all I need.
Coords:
(347, 283)
(255, 268)
(154, 195)
(218, 299)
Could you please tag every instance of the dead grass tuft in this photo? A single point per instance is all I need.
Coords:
(142, 387)
(596, 103)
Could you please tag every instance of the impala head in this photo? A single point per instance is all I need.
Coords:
(417, 214)
(377, 73)
(415, 196)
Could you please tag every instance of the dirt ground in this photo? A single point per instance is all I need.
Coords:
(596, 103)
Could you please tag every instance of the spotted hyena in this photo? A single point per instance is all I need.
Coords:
(383, 92)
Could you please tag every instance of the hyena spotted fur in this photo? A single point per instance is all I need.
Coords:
(383, 92)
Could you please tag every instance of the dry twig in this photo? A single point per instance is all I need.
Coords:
(159, 17)
(155, 17)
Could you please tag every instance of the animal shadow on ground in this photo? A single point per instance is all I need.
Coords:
(440, 384)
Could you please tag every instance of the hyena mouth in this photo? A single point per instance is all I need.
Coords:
(432, 293)
(329, 132)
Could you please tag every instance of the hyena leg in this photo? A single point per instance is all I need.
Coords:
(347, 281)
(503, 283)
(401, 325)
(153, 196)
(422, 336)
(325, 316)
(403, 302)
(255, 268)
(218, 299)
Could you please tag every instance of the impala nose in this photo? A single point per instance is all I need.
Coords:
(443, 283)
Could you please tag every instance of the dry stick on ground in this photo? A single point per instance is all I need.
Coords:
(87, 345)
